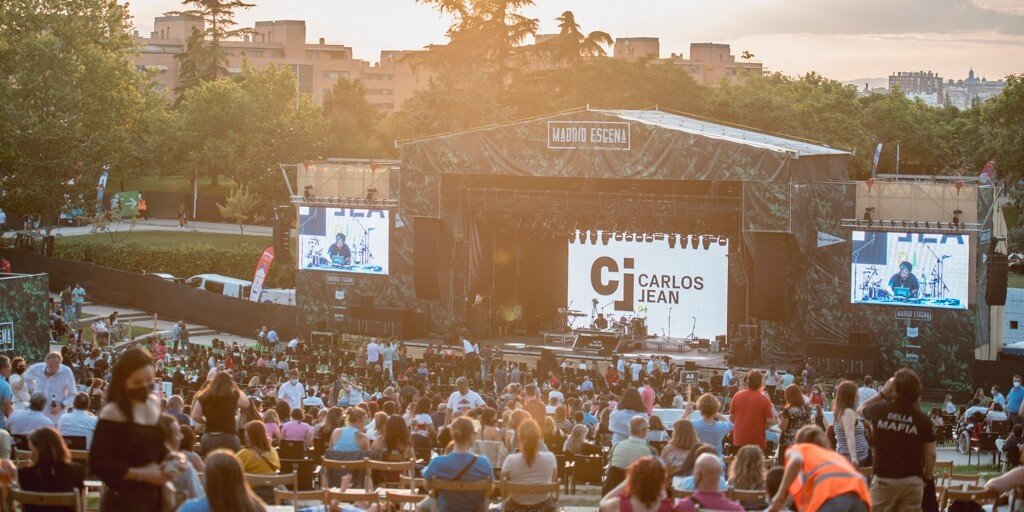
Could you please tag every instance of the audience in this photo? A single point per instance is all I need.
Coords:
(226, 487)
(529, 465)
(817, 478)
(460, 465)
(747, 473)
(643, 490)
(678, 447)
(79, 422)
(712, 427)
(297, 429)
(752, 413)
(24, 422)
(793, 417)
(186, 482)
(629, 407)
(848, 428)
(708, 479)
(51, 469)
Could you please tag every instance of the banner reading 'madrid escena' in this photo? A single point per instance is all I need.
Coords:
(677, 286)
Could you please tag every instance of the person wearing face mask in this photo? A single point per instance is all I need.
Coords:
(292, 391)
(1014, 399)
(128, 452)
(56, 381)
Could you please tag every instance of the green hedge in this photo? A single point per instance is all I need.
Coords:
(183, 261)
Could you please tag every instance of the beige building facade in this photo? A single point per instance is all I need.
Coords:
(708, 63)
(318, 66)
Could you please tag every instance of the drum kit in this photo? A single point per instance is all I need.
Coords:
(633, 326)
(873, 288)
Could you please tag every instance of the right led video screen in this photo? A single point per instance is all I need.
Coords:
(927, 270)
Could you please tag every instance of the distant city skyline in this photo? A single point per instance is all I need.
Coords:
(838, 39)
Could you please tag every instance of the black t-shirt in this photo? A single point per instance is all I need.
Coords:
(899, 434)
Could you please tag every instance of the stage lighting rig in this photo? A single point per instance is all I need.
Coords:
(572, 236)
(672, 241)
(618, 237)
(956, 217)
(593, 238)
(605, 237)
(684, 242)
(705, 242)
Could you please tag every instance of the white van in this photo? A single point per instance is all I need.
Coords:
(224, 285)
(282, 296)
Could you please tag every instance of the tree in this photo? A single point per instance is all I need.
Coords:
(244, 128)
(1003, 123)
(70, 101)
(484, 40)
(242, 207)
(204, 58)
(354, 122)
(571, 46)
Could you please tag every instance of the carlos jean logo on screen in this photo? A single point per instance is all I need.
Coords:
(594, 135)
(6, 336)
(606, 278)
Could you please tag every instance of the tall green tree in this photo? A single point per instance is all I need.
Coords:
(71, 101)
(244, 128)
(354, 131)
(571, 46)
(1003, 123)
(204, 58)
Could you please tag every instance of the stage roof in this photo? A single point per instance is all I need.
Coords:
(720, 131)
(622, 144)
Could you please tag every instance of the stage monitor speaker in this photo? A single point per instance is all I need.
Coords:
(426, 232)
(770, 286)
(690, 366)
(995, 285)
(282, 240)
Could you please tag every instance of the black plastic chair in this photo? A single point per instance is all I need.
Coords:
(986, 442)
(586, 469)
(292, 450)
(75, 442)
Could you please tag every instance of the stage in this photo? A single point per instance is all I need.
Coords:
(521, 348)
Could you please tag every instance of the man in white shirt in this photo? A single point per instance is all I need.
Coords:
(312, 400)
(23, 423)
(555, 397)
(390, 351)
(635, 370)
(728, 377)
(620, 367)
(79, 422)
(55, 381)
(292, 391)
(866, 391)
(462, 399)
(373, 352)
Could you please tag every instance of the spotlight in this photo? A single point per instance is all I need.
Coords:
(869, 214)
(629, 237)
(705, 241)
(605, 237)
(956, 217)
(723, 241)
(371, 196)
(583, 236)
(572, 236)
(672, 241)
(904, 223)
(618, 237)
(648, 238)
(684, 241)
(593, 238)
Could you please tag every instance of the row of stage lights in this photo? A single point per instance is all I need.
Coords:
(869, 221)
(682, 241)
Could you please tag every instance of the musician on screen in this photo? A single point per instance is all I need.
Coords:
(339, 251)
(903, 283)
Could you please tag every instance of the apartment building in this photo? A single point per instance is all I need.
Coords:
(709, 63)
(318, 66)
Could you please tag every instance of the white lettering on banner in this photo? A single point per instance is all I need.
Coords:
(668, 286)
(589, 135)
(825, 239)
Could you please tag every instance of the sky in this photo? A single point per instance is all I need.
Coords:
(841, 39)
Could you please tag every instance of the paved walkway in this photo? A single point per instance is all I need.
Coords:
(167, 225)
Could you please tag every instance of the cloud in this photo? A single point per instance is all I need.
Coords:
(843, 17)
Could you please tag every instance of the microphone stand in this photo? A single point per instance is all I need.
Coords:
(941, 294)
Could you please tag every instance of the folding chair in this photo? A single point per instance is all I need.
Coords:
(75, 442)
(979, 495)
(292, 450)
(986, 442)
(381, 470)
(484, 486)
(402, 501)
(49, 499)
(586, 469)
(293, 497)
(358, 469)
(349, 496)
(288, 480)
(748, 495)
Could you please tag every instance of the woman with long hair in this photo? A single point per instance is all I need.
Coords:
(747, 470)
(553, 438)
(51, 469)
(645, 489)
(258, 456)
(226, 487)
(377, 428)
(393, 445)
(18, 385)
(656, 431)
(848, 428)
(630, 405)
(422, 426)
(128, 451)
(273, 424)
(529, 466)
(792, 417)
(332, 420)
(489, 425)
(215, 407)
(576, 443)
(678, 447)
(562, 422)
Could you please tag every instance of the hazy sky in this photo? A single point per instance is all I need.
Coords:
(842, 39)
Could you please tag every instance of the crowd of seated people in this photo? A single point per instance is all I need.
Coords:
(524, 425)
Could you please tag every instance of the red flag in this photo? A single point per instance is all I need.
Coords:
(260, 276)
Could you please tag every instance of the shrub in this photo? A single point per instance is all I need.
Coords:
(184, 261)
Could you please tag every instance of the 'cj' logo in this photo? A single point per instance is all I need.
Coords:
(611, 286)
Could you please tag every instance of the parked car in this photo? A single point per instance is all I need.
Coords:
(223, 285)
(1016, 263)
(285, 297)
(165, 277)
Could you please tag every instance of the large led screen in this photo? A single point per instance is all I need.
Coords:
(679, 292)
(926, 270)
(344, 240)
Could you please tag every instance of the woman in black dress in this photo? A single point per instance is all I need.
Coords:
(215, 408)
(128, 451)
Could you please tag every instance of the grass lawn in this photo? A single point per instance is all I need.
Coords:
(175, 238)
(176, 184)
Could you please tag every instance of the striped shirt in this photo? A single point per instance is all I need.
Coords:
(626, 452)
(859, 438)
